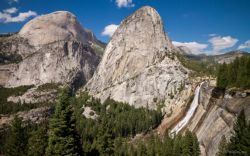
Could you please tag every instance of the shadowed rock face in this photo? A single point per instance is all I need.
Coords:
(136, 65)
(54, 48)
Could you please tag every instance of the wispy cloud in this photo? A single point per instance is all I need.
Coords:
(109, 30)
(10, 10)
(212, 35)
(13, 1)
(245, 45)
(6, 16)
(125, 3)
(195, 47)
(220, 43)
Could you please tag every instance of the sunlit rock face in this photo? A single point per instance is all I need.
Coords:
(215, 116)
(54, 48)
(56, 26)
(138, 65)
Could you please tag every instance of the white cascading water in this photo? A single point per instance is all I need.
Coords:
(190, 112)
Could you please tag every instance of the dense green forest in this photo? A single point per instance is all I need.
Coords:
(235, 74)
(111, 132)
(199, 68)
(7, 107)
(239, 143)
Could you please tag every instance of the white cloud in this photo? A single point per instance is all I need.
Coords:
(195, 47)
(109, 30)
(10, 10)
(6, 16)
(245, 45)
(219, 43)
(212, 35)
(125, 3)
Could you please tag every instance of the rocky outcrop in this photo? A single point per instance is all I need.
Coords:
(36, 115)
(215, 117)
(138, 65)
(52, 48)
(34, 96)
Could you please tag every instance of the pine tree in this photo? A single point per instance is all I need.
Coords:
(105, 142)
(190, 144)
(177, 146)
(141, 150)
(240, 140)
(196, 147)
(118, 147)
(151, 146)
(62, 137)
(168, 144)
(235, 74)
(235, 140)
(16, 141)
(187, 145)
(37, 143)
(222, 76)
(222, 150)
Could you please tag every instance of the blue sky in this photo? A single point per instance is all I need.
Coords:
(205, 26)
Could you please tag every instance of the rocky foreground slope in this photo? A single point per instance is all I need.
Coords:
(138, 65)
(52, 48)
(216, 114)
(213, 118)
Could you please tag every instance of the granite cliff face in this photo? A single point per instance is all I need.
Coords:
(52, 48)
(56, 26)
(138, 65)
(215, 116)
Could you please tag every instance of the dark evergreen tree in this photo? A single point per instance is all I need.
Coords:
(141, 150)
(37, 142)
(235, 74)
(168, 144)
(222, 150)
(187, 144)
(240, 140)
(105, 140)
(196, 147)
(177, 146)
(222, 79)
(62, 137)
(17, 139)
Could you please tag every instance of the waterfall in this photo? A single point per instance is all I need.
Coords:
(190, 112)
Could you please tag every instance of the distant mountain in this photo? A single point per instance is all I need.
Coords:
(220, 58)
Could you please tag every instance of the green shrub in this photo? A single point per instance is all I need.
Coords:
(48, 86)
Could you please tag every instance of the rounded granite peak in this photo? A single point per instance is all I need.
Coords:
(136, 67)
(148, 9)
(143, 13)
(56, 26)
